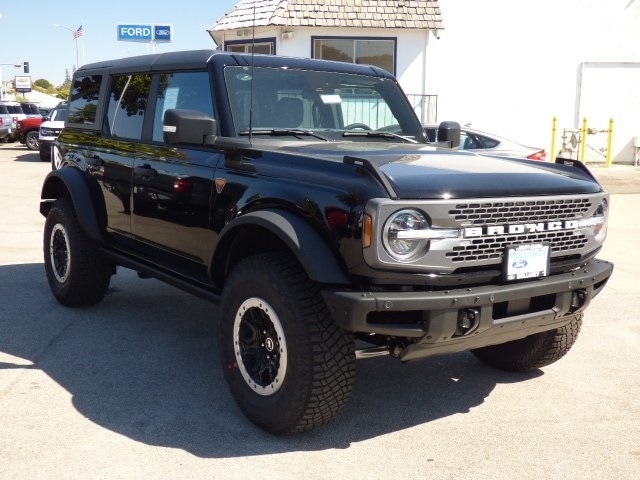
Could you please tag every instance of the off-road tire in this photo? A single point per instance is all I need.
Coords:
(45, 155)
(77, 271)
(31, 140)
(532, 352)
(318, 358)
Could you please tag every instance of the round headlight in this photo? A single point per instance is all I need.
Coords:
(597, 222)
(397, 235)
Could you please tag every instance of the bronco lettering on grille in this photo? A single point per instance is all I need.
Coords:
(495, 230)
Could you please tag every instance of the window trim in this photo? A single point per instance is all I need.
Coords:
(342, 37)
(251, 41)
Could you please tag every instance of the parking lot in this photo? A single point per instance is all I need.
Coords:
(131, 388)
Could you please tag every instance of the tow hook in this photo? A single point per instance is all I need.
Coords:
(468, 321)
(578, 299)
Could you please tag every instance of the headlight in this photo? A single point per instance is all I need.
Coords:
(597, 223)
(398, 236)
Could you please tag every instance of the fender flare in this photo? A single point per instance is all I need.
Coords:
(89, 207)
(313, 253)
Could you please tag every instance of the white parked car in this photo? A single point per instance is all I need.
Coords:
(50, 129)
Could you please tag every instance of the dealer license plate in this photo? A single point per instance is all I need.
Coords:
(526, 261)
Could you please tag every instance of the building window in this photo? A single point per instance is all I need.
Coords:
(260, 45)
(380, 52)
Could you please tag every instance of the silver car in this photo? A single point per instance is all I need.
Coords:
(490, 144)
(6, 124)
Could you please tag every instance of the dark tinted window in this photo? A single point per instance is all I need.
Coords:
(188, 90)
(14, 109)
(127, 106)
(58, 114)
(3, 110)
(83, 101)
(488, 142)
(30, 109)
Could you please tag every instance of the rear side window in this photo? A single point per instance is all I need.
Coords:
(83, 99)
(4, 110)
(30, 109)
(185, 90)
(127, 106)
(15, 109)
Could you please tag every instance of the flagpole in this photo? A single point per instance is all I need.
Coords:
(75, 34)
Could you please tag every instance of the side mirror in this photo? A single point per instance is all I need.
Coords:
(449, 132)
(188, 127)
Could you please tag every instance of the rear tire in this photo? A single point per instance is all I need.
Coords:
(77, 271)
(288, 365)
(532, 352)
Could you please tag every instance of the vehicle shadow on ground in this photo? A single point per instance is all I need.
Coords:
(23, 154)
(143, 363)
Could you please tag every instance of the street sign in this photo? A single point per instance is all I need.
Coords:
(144, 33)
(135, 33)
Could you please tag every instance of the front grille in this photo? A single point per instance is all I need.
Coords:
(521, 212)
(493, 247)
(495, 213)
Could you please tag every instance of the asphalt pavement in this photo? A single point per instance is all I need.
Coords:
(131, 388)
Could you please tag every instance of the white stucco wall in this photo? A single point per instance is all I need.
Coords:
(510, 67)
(412, 48)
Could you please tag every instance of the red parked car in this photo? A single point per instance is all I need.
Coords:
(27, 132)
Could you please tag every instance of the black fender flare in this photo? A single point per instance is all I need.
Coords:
(313, 253)
(83, 192)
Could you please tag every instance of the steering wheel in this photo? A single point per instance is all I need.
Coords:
(361, 126)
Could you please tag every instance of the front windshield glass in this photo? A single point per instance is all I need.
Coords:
(319, 102)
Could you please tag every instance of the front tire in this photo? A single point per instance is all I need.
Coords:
(532, 352)
(77, 272)
(289, 367)
(31, 140)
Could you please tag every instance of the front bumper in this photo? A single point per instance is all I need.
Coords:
(431, 320)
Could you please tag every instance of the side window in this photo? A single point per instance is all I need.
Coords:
(127, 106)
(488, 142)
(187, 90)
(83, 100)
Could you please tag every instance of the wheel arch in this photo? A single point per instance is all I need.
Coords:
(84, 195)
(277, 230)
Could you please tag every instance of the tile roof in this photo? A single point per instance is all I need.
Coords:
(420, 14)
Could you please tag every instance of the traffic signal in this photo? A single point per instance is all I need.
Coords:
(26, 67)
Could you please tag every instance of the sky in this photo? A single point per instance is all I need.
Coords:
(29, 34)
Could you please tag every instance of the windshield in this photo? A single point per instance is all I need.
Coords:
(319, 102)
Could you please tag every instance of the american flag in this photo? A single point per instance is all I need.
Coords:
(78, 32)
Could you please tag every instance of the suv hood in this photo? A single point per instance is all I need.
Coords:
(422, 171)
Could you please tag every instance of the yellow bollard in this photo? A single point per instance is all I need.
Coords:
(583, 139)
(554, 128)
(610, 143)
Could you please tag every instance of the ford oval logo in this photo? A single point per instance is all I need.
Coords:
(519, 264)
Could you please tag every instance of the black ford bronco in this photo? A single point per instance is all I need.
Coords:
(304, 198)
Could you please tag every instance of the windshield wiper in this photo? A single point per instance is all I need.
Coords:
(353, 133)
(282, 132)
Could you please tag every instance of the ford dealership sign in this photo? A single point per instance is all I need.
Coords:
(144, 33)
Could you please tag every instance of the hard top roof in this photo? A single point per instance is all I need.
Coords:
(198, 59)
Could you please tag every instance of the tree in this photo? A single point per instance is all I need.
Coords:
(43, 84)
